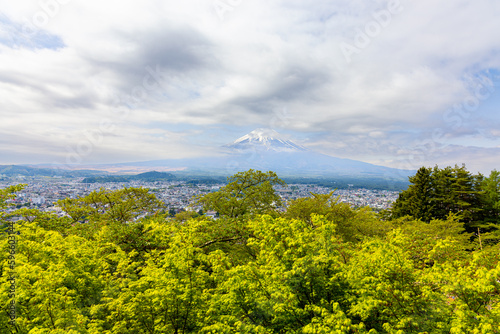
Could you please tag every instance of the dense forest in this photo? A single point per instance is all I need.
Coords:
(117, 263)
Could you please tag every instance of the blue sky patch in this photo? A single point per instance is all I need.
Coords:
(16, 35)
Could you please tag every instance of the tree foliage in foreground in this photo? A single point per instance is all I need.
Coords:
(247, 193)
(320, 267)
(434, 193)
(122, 205)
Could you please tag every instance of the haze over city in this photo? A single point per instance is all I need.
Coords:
(394, 83)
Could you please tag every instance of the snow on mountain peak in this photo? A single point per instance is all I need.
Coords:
(261, 134)
(266, 139)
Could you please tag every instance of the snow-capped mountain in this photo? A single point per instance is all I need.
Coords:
(265, 140)
(266, 149)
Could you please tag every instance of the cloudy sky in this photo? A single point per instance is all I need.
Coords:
(396, 83)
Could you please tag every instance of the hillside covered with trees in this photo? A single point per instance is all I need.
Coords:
(118, 264)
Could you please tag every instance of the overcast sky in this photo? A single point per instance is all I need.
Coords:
(395, 83)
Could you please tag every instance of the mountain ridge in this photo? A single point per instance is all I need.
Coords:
(261, 149)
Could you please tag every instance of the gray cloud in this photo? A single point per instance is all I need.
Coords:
(180, 64)
(167, 52)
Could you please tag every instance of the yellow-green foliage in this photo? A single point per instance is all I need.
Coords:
(321, 267)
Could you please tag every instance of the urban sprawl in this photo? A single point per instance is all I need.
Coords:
(177, 195)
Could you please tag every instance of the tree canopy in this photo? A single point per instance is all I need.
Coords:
(434, 193)
(318, 267)
(249, 192)
(121, 205)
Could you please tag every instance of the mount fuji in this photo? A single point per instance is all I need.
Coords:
(266, 149)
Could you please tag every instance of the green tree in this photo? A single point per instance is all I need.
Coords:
(249, 192)
(423, 237)
(390, 294)
(186, 215)
(456, 190)
(472, 289)
(7, 194)
(168, 292)
(47, 220)
(294, 284)
(121, 205)
(436, 193)
(351, 224)
(57, 281)
(416, 201)
(489, 223)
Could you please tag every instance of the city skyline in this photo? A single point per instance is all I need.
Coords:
(394, 83)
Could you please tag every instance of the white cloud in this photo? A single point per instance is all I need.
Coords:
(179, 63)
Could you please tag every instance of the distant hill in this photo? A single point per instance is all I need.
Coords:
(21, 170)
(145, 177)
(153, 176)
(106, 179)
